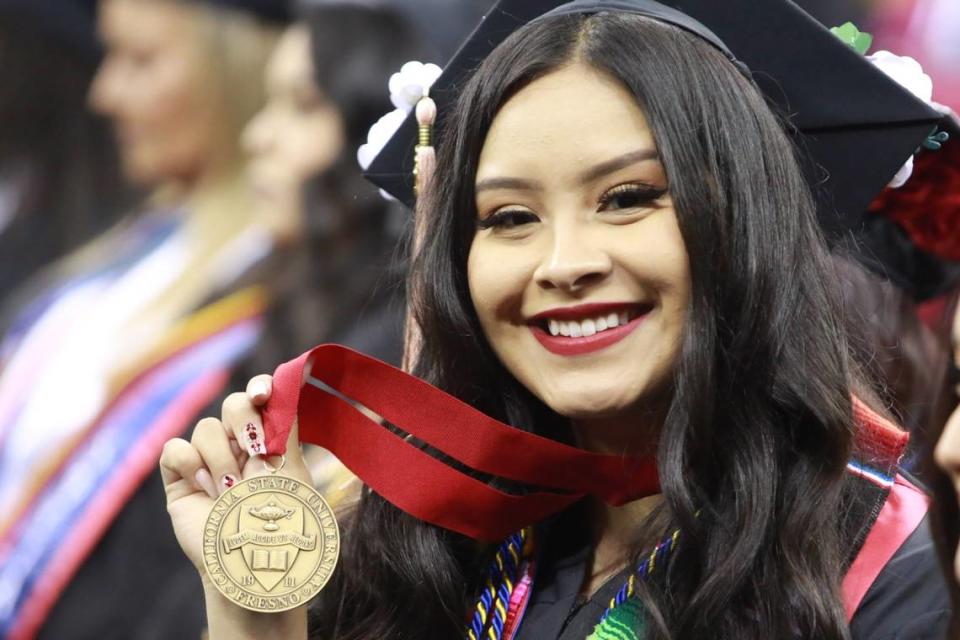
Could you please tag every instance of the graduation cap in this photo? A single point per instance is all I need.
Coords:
(857, 125)
(269, 10)
(72, 22)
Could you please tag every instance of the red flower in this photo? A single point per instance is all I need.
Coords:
(927, 207)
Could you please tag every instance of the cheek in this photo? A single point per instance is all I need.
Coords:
(312, 147)
(655, 256)
(947, 452)
(498, 278)
(163, 92)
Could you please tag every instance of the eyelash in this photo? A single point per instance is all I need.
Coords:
(511, 218)
(644, 193)
(507, 219)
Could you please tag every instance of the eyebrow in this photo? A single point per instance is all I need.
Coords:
(598, 171)
(590, 175)
(517, 184)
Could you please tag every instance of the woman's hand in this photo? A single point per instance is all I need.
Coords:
(219, 454)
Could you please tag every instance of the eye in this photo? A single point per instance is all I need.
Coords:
(507, 219)
(630, 196)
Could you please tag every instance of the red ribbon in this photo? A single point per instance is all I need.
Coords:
(417, 482)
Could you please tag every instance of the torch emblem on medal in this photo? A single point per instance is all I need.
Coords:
(270, 537)
(270, 543)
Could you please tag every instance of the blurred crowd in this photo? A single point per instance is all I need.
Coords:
(181, 207)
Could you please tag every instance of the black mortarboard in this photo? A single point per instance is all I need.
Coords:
(857, 125)
(72, 22)
(269, 10)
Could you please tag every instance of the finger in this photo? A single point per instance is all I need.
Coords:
(242, 419)
(211, 441)
(259, 389)
(239, 452)
(182, 469)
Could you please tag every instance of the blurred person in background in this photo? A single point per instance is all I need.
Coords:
(60, 181)
(328, 273)
(140, 326)
(326, 85)
(905, 357)
(944, 472)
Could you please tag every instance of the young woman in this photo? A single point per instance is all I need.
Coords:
(944, 477)
(143, 319)
(621, 253)
(328, 274)
(331, 275)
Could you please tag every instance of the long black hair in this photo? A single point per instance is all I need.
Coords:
(759, 429)
(343, 264)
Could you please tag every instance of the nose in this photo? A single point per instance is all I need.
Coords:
(947, 452)
(574, 261)
(101, 95)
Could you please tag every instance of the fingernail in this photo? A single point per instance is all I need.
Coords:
(254, 437)
(258, 389)
(228, 480)
(205, 482)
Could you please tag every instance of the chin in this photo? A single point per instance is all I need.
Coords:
(143, 171)
(586, 405)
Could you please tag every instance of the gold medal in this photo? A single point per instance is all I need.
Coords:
(270, 543)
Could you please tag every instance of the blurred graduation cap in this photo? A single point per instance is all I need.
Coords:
(856, 125)
(72, 22)
(269, 10)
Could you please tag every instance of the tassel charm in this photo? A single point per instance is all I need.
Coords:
(425, 159)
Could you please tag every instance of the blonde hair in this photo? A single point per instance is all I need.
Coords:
(238, 46)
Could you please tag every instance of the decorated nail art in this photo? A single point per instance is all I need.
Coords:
(228, 480)
(254, 436)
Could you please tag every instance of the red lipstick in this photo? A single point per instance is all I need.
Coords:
(575, 346)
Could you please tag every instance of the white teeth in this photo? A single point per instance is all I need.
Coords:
(588, 327)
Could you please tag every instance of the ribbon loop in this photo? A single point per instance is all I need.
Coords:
(419, 483)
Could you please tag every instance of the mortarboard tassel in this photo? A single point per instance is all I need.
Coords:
(426, 158)
(425, 163)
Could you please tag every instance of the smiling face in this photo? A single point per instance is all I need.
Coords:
(578, 271)
(296, 136)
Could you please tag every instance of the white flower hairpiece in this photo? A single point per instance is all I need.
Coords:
(382, 130)
(407, 86)
(908, 73)
(411, 83)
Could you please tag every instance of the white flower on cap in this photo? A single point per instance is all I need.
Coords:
(378, 136)
(908, 73)
(411, 83)
(407, 87)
